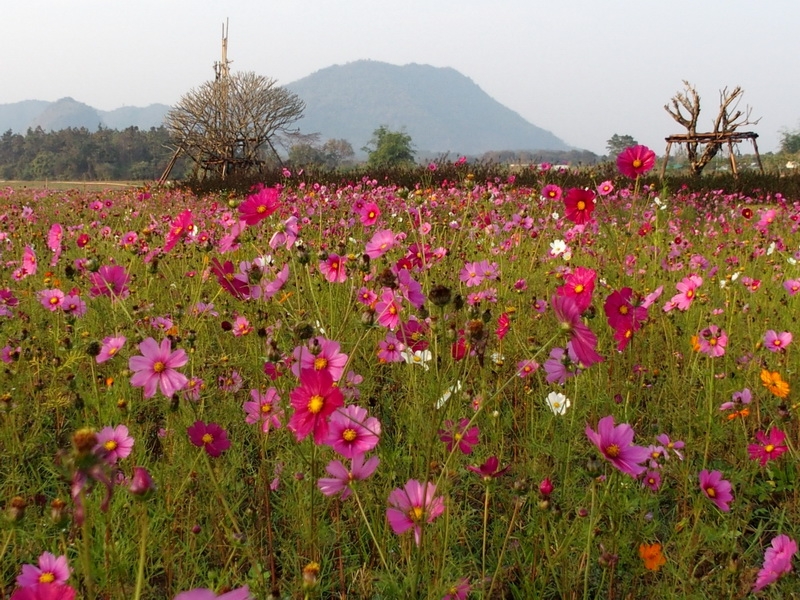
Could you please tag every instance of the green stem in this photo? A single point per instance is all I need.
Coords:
(142, 554)
(369, 528)
(485, 529)
(517, 505)
(86, 553)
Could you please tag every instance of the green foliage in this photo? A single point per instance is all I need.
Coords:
(790, 141)
(389, 149)
(617, 143)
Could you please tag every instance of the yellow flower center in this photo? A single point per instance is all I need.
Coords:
(689, 293)
(54, 300)
(47, 577)
(110, 445)
(613, 451)
(579, 288)
(266, 409)
(637, 163)
(348, 435)
(315, 404)
(581, 205)
(320, 363)
(415, 514)
(769, 448)
(159, 367)
(261, 209)
(207, 438)
(112, 351)
(712, 493)
(623, 310)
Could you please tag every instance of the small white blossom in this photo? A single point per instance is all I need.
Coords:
(456, 387)
(558, 403)
(558, 247)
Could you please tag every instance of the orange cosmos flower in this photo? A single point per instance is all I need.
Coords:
(775, 383)
(652, 556)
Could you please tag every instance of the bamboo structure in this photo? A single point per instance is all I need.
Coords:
(727, 138)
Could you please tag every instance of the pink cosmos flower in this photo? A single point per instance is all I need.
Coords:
(259, 205)
(668, 444)
(411, 506)
(551, 192)
(716, 489)
(352, 432)
(113, 444)
(44, 591)
(777, 561)
(381, 242)
(314, 400)
(51, 299)
(156, 368)
(776, 342)
(579, 205)
(369, 214)
(582, 341)
(49, 570)
(286, 235)
(526, 367)
(686, 293)
(73, 305)
(342, 478)
(29, 265)
(390, 349)
(490, 469)
(241, 326)
(579, 285)
(333, 269)
(242, 593)
(228, 279)
(458, 591)
(264, 409)
(635, 161)
(387, 310)
(605, 188)
(616, 445)
(110, 280)
(209, 436)
(769, 447)
(792, 286)
(111, 345)
(323, 356)
(471, 275)
(54, 237)
(652, 480)
(180, 226)
(453, 435)
(712, 341)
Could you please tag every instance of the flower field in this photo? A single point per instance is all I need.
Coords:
(473, 390)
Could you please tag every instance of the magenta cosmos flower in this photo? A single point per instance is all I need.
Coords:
(110, 281)
(113, 444)
(579, 205)
(453, 435)
(156, 368)
(209, 436)
(325, 357)
(582, 340)
(242, 593)
(314, 400)
(712, 341)
(635, 161)
(777, 561)
(44, 591)
(111, 345)
(259, 205)
(342, 478)
(411, 506)
(775, 341)
(769, 447)
(333, 268)
(716, 489)
(352, 431)
(49, 569)
(616, 445)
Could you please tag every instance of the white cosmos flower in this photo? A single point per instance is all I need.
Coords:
(419, 357)
(456, 387)
(558, 247)
(558, 403)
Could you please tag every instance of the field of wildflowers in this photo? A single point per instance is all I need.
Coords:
(473, 390)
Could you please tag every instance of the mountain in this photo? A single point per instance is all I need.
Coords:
(441, 109)
(67, 112)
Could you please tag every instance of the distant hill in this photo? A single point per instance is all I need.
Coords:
(441, 109)
(67, 112)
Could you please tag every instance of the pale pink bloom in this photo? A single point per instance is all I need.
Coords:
(388, 310)
(73, 305)
(49, 570)
(414, 504)
(241, 326)
(326, 356)
(351, 431)
(110, 347)
(342, 478)
(381, 242)
(113, 444)
(286, 235)
(777, 561)
(264, 409)
(687, 290)
(51, 299)
(775, 341)
(333, 268)
(156, 368)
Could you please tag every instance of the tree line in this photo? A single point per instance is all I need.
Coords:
(79, 154)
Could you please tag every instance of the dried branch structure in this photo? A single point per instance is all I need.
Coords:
(702, 147)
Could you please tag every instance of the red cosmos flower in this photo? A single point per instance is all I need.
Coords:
(314, 400)
(635, 161)
(579, 205)
(259, 205)
(226, 277)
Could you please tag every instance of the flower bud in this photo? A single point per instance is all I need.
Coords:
(546, 488)
(142, 484)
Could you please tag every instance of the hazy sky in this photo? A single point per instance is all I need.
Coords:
(583, 69)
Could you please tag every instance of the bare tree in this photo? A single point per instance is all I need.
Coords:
(234, 122)
(702, 147)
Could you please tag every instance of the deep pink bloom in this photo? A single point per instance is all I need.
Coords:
(716, 489)
(582, 340)
(777, 561)
(652, 480)
(352, 431)
(44, 591)
(51, 299)
(769, 447)
(180, 226)
(635, 161)
(369, 214)
(73, 305)
(579, 205)
(616, 445)
(792, 286)
(390, 349)
(551, 192)
(411, 506)
(687, 290)
(264, 409)
(579, 285)
(342, 478)
(49, 569)
(141, 484)
(712, 341)
(314, 400)
(111, 345)
(332, 268)
(458, 591)
(489, 470)
(259, 205)
(242, 593)
(453, 434)
(323, 356)
(110, 280)
(227, 278)
(775, 341)
(387, 310)
(113, 444)
(156, 368)
(526, 367)
(209, 436)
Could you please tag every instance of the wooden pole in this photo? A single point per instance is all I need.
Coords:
(666, 159)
